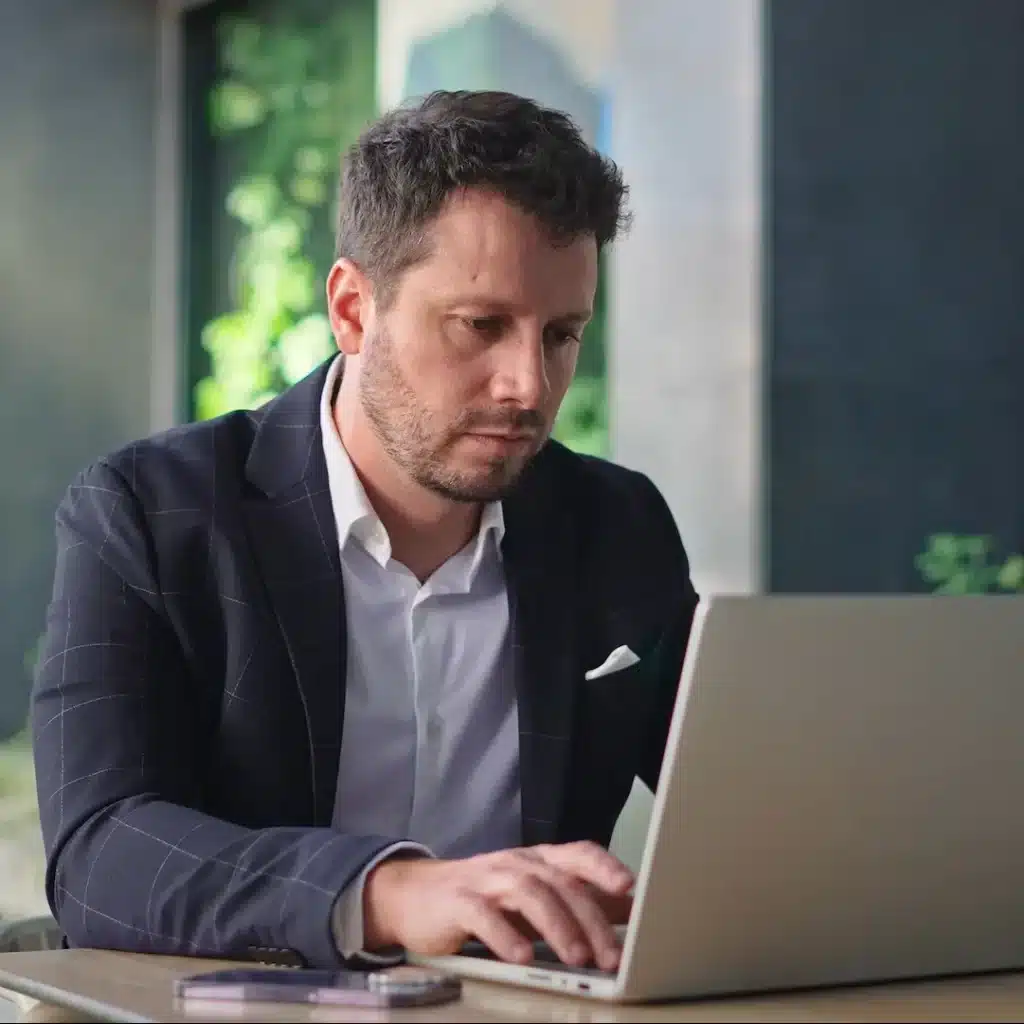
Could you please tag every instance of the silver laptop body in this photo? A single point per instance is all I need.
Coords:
(842, 800)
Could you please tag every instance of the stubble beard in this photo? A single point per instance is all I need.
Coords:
(404, 431)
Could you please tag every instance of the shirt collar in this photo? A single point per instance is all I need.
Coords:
(354, 516)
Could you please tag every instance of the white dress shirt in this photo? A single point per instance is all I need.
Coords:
(430, 742)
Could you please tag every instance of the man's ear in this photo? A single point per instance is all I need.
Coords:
(349, 305)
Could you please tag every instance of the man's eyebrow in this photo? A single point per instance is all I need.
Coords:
(504, 306)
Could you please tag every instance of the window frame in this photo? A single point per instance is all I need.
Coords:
(170, 364)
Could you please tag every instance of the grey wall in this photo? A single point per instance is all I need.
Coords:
(896, 191)
(77, 108)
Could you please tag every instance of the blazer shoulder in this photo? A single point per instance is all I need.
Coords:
(610, 502)
(602, 486)
(192, 459)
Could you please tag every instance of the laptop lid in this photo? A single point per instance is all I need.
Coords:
(840, 798)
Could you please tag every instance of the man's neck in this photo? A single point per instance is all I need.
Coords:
(425, 529)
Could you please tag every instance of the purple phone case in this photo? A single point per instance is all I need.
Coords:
(322, 988)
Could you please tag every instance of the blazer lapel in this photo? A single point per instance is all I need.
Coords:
(539, 553)
(294, 542)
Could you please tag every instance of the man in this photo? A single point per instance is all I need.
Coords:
(314, 681)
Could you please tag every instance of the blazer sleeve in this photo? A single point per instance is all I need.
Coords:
(680, 600)
(129, 863)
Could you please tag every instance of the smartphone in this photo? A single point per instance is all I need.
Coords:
(389, 987)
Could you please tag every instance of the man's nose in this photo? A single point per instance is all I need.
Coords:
(521, 373)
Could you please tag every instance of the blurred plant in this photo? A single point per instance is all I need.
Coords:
(297, 88)
(962, 565)
(582, 422)
(31, 657)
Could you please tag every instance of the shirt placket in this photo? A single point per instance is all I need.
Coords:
(419, 642)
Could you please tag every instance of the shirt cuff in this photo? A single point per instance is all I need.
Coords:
(347, 918)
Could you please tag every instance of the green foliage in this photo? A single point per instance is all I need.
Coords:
(296, 88)
(31, 657)
(582, 422)
(962, 565)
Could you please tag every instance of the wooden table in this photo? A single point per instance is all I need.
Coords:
(87, 985)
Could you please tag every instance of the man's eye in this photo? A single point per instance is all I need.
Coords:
(561, 336)
(488, 326)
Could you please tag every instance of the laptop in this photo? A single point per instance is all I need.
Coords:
(841, 801)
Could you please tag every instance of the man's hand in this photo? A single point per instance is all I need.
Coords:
(569, 895)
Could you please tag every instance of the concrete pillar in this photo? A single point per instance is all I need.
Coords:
(685, 349)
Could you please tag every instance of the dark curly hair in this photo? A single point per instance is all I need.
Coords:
(399, 173)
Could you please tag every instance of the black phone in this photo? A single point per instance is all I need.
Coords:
(389, 987)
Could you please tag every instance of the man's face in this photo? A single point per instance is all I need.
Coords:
(462, 376)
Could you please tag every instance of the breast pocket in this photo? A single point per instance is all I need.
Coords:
(612, 712)
(615, 702)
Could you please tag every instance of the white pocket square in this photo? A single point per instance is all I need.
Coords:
(620, 658)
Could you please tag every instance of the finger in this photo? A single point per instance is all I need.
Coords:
(482, 919)
(546, 911)
(591, 863)
(582, 901)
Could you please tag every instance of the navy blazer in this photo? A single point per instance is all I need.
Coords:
(189, 698)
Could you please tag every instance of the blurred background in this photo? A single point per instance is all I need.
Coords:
(811, 339)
